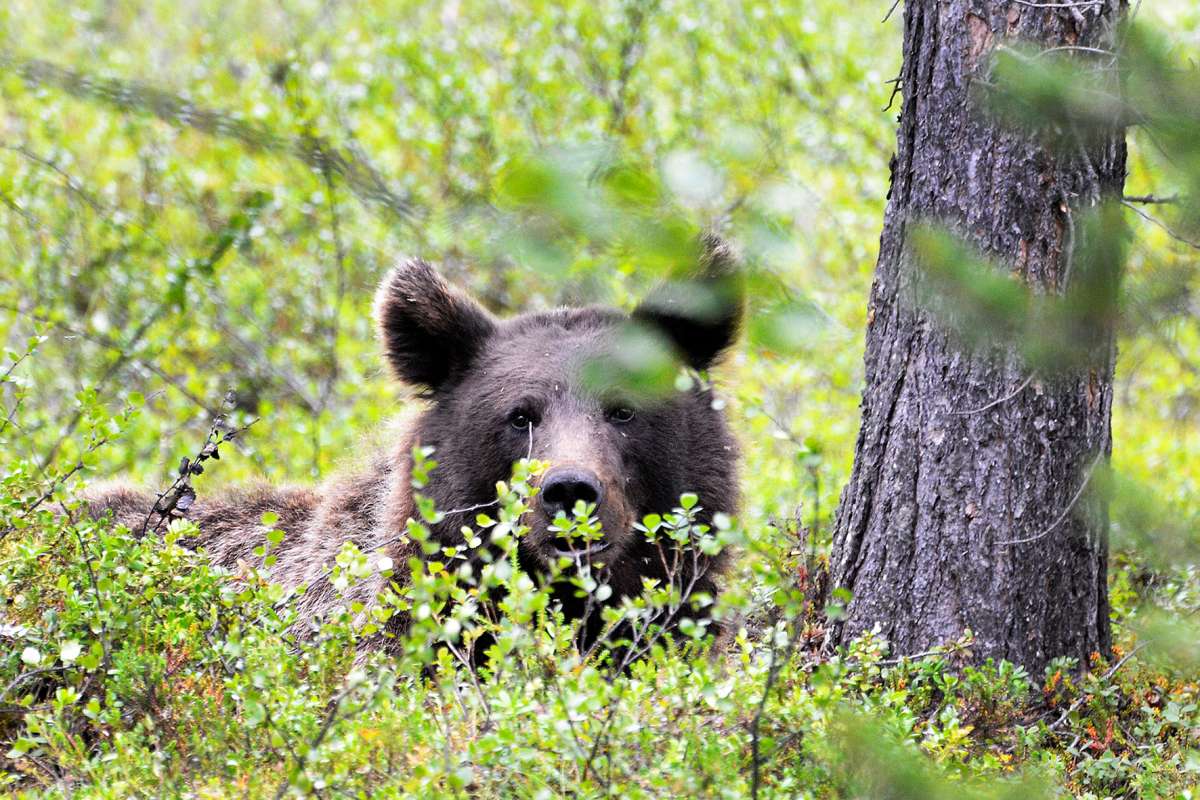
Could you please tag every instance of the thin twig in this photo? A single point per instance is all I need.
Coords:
(773, 669)
(562, 699)
(76, 187)
(1080, 700)
(464, 509)
(601, 737)
(109, 342)
(1065, 204)
(360, 175)
(998, 401)
(1173, 347)
(11, 417)
(56, 483)
(177, 498)
(897, 88)
(1079, 493)
(1080, 4)
(16, 207)
(934, 651)
(13, 366)
(24, 676)
(1077, 48)
(1150, 199)
(105, 644)
(1177, 237)
(124, 356)
(339, 253)
(331, 719)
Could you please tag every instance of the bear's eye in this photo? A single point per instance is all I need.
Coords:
(522, 419)
(620, 414)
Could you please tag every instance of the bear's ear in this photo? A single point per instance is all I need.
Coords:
(702, 315)
(430, 332)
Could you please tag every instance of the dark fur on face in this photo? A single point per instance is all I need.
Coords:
(498, 391)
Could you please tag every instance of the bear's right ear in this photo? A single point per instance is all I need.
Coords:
(430, 331)
(701, 316)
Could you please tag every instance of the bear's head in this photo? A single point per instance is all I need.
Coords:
(504, 389)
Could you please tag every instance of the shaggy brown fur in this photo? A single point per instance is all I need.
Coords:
(499, 390)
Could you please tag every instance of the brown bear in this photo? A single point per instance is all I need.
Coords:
(496, 391)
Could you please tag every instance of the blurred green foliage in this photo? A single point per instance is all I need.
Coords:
(198, 197)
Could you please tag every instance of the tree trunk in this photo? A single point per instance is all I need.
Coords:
(959, 516)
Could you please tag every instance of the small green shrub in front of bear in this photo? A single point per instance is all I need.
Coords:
(131, 666)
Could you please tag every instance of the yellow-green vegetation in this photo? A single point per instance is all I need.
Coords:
(196, 201)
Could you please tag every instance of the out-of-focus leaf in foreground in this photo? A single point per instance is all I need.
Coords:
(871, 763)
(1067, 94)
(993, 310)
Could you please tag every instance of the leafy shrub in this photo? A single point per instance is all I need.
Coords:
(134, 666)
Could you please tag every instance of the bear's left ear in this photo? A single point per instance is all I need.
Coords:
(702, 316)
(430, 332)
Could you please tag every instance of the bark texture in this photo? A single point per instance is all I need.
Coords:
(956, 517)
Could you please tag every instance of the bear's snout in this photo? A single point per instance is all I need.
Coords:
(563, 487)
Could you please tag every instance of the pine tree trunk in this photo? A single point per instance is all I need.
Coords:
(958, 518)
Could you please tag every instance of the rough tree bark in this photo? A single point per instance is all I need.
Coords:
(954, 517)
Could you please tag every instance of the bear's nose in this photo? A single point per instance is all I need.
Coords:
(563, 487)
